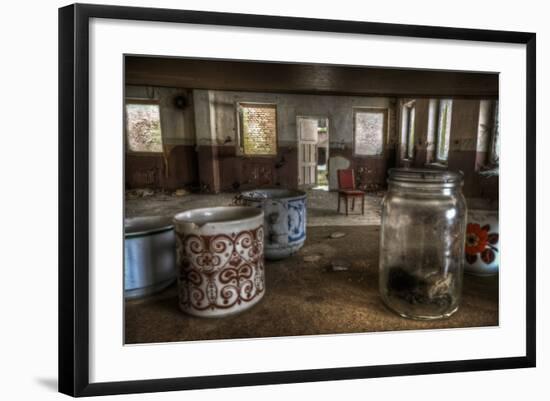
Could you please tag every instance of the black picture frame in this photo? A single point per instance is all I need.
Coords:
(74, 200)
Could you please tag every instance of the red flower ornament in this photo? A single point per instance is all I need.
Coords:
(480, 241)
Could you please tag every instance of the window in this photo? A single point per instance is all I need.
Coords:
(407, 126)
(369, 127)
(494, 152)
(443, 133)
(143, 131)
(258, 129)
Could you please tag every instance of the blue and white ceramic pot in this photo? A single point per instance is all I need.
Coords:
(482, 243)
(285, 219)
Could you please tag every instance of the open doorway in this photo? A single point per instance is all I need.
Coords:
(313, 152)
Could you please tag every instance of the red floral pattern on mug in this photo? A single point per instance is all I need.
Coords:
(479, 240)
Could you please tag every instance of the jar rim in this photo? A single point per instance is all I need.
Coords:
(425, 176)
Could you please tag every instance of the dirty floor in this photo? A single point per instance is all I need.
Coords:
(307, 298)
(321, 207)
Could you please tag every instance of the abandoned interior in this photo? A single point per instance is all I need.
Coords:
(199, 133)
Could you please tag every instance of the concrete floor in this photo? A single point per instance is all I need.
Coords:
(321, 207)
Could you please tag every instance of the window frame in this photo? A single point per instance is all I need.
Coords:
(437, 136)
(494, 156)
(406, 141)
(240, 128)
(142, 101)
(385, 129)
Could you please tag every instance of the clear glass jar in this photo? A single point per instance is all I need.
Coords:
(422, 243)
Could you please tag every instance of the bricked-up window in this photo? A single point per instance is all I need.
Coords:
(369, 128)
(258, 129)
(143, 131)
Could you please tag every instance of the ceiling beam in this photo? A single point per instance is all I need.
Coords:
(307, 78)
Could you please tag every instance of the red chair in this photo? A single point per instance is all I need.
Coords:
(346, 189)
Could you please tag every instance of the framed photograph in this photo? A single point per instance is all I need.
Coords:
(251, 199)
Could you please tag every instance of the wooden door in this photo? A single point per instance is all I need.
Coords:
(307, 151)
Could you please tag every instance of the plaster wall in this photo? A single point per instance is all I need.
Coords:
(217, 137)
(338, 109)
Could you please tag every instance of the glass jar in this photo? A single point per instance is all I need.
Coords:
(422, 243)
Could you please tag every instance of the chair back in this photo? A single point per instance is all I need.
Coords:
(346, 179)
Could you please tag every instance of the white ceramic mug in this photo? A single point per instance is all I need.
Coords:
(220, 254)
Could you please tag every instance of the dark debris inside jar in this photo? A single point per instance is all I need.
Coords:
(432, 289)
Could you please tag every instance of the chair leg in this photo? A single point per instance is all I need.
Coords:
(346, 200)
(353, 203)
(338, 209)
(363, 205)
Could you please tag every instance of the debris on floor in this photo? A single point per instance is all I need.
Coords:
(320, 249)
(339, 265)
(181, 192)
(312, 258)
(337, 234)
(139, 193)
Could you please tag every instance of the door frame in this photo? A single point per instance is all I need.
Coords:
(298, 142)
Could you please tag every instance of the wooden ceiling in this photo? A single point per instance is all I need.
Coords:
(307, 78)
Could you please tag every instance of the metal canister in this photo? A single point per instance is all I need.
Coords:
(149, 255)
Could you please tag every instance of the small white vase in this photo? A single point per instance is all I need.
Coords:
(220, 254)
(482, 253)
